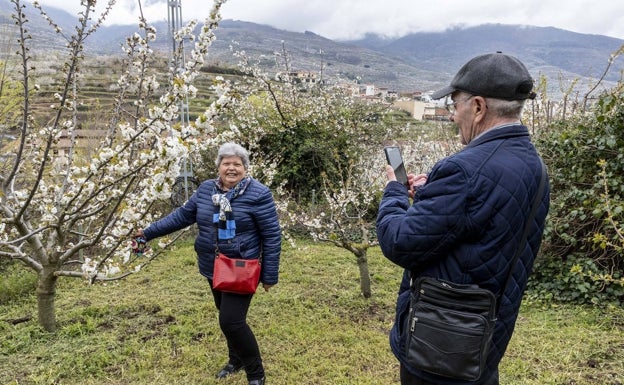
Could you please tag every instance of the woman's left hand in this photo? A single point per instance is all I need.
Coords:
(266, 286)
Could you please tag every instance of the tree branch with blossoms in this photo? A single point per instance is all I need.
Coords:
(62, 210)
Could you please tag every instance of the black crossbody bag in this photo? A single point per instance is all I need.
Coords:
(450, 326)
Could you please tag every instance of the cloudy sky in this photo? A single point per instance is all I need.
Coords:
(350, 19)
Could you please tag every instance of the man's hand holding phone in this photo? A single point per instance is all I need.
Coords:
(394, 158)
(416, 181)
(390, 174)
(396, 171)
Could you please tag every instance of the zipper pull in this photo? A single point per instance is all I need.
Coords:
(413, 324)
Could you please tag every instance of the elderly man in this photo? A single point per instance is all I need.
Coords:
(468, 214)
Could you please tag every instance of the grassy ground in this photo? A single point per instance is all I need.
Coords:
(160, 327)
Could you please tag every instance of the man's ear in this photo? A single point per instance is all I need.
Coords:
(480, 108)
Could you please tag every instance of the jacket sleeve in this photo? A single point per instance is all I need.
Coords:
(413, 236)
(271, 235)
(178, 219)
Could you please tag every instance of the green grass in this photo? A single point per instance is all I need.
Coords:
(160, 327)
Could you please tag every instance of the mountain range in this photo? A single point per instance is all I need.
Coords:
(415, 62)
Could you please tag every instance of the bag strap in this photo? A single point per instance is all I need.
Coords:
(527, 227)
(216, 227)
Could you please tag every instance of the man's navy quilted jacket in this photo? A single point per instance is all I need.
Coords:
(257, 228)
(464, 226)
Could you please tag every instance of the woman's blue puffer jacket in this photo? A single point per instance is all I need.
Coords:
(258, 231)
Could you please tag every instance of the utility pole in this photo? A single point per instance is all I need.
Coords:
(185, 183)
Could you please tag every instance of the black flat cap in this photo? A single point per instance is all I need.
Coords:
(494, 75)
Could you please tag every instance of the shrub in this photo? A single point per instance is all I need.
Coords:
(577, 279)
(583, 238)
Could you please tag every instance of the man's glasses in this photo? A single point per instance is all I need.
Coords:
(451, 106)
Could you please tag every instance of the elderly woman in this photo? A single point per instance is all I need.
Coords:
(254, 232)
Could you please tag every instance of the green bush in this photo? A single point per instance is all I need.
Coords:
(585, 158)
(575, 153)
(577, 280)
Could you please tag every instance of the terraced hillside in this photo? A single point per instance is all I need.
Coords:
(97, 90)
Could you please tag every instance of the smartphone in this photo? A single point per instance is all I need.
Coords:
(394, 158)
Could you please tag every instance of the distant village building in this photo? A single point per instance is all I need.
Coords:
(417, 103)
(422, 110)
(300, 77)
(85, 140)
(435, 112)
(383, 93)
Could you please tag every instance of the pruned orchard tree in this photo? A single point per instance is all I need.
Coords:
(346, 215)
(64, 215)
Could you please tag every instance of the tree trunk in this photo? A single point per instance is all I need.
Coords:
(46, 294)
(365, 283)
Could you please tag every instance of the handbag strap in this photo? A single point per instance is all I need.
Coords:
(216, 227)
(527, 227)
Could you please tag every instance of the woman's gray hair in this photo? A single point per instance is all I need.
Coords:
(232, 149)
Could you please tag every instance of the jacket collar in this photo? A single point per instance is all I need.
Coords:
(500, 132)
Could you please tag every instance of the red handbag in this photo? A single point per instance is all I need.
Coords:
(235, 275)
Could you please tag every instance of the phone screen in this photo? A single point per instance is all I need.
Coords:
(393, 155)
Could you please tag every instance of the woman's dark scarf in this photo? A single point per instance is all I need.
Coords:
(224, 219)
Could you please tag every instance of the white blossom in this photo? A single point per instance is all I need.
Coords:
(103, 192)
